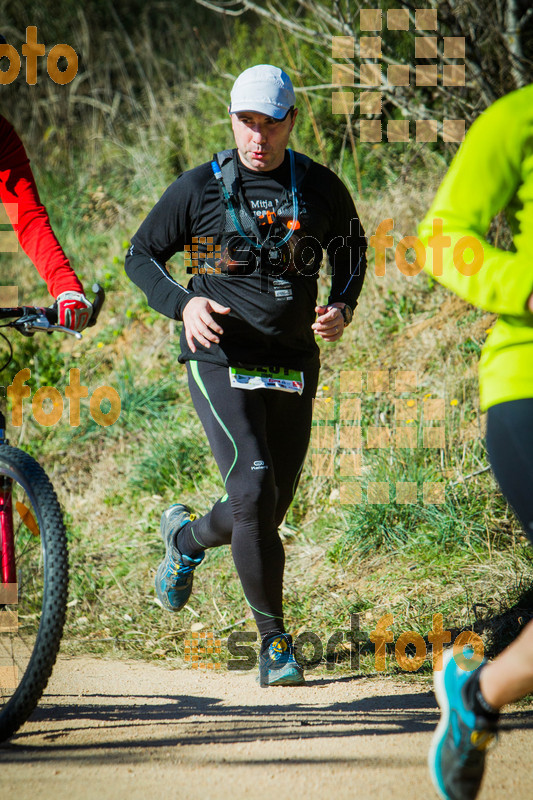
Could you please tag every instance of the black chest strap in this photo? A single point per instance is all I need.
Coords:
(238, 217)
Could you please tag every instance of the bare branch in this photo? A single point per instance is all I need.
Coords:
(316, 21)
(222, 7)
(512, 37)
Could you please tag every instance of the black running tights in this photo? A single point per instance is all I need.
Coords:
(510, 447)
(259, 439)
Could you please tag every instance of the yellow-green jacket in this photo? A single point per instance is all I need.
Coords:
(492, 170)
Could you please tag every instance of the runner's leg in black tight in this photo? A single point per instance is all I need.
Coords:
(287, 441)
(510, 448)
(259, 439)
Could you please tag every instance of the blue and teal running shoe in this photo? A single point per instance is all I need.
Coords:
(457, 755)
(173, 581)
(277, 665)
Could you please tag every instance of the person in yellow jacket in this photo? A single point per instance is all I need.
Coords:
(492, 171)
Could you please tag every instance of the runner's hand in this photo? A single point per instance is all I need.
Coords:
(74, 311)
(199, 324)
(330, 322)
(530, 303)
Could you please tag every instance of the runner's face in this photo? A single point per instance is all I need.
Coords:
(261, 140)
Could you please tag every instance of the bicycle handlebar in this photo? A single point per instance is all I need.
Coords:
(28, 319)
(98, 302)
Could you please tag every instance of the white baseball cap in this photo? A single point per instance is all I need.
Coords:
(264, 89)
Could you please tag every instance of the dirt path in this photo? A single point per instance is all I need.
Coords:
(111, 729)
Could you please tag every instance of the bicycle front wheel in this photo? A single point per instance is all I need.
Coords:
(33, 585)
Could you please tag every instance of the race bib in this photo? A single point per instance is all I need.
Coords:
(280, 378)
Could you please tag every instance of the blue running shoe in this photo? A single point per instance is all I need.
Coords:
(457, 755)
(277, 665)
(173, 581)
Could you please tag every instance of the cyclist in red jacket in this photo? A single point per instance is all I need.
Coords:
(30, 221)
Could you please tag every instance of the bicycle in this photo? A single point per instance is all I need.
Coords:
(33, 555)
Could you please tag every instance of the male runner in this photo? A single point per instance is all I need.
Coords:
(248, 339)
(493, 170)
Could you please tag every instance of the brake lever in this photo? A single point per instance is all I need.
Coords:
(76, 334)
(28, 325)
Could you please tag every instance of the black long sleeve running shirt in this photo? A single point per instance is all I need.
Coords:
(271, 315)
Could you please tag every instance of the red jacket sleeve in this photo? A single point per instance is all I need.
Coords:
(28, 216)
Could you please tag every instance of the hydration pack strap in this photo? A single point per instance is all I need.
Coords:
(225, 170)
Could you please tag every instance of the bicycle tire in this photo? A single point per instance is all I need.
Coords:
(34, 654)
